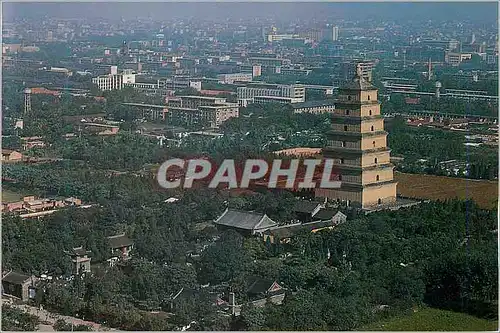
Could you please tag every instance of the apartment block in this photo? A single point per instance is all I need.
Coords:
(199, 110)
(234, 77)
(253, 90)
(455, 58)
(179, 83)
(276, 99)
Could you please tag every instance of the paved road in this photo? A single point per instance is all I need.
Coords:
(52, 318)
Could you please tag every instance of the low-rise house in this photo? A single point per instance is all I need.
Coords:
(80, 260)
(305, 210)
(336, 217)
(31, 142)
(30, 206)
(323, 219)
(38, 205)
(249, 223)
(282, 234)
(259, 289)
(101, 129)
(120, 246)
(12, 206)
(73, 201)
(10, 156)
(186, 295)
(18, 285)
(259, 292)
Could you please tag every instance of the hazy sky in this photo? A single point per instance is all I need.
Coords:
(476, 11)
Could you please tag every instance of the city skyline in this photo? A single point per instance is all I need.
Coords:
(486, 11)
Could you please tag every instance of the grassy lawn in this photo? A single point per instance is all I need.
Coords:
(428, 319)
(10, 196)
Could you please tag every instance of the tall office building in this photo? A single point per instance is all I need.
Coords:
(357, 144)
(335, 33)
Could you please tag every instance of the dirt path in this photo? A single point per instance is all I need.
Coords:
(51, 318)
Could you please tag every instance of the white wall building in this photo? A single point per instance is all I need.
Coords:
(113, 80)
(335, 33)
(232, 77)
(295, 91)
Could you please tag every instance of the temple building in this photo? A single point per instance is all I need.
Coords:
(357, 143)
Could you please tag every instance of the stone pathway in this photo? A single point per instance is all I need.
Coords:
(51, 318)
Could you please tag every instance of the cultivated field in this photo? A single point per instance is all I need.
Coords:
(428, 319)
(483, 192)
(10, 196)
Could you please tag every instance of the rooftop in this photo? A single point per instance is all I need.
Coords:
(119, 241)
(79, 251)
(305, 207)
(244, 220)
(7, 151)
(312, 104)
(290, 230)
(258, 285)
(325, 214)
(201, 97)
(15, 278)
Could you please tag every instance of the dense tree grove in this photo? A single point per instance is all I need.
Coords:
(443, 254)
(17, 320)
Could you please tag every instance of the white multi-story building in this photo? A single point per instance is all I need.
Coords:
(295, 91)
(276, 99)
(277, 38)
(113, 80)
(335, 33)
(178, 83)
(232, 77)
